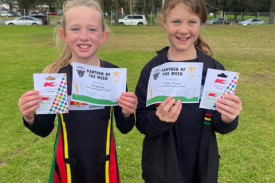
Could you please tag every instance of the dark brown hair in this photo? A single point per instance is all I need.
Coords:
(198, 8)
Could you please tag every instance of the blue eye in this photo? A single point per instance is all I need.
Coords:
(93, 30)
(193, 22)
(75, 29)
(176, 22)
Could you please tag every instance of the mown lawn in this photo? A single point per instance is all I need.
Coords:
(247, 154)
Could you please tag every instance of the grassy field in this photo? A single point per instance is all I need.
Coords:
(247, 154)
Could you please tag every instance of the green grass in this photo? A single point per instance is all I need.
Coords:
(248, 154)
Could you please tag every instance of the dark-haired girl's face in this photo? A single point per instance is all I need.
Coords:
(183, 29)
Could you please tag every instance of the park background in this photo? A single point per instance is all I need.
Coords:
(247, 154)
(115, 9)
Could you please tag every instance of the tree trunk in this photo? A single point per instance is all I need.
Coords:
(117, 11)
(272, 12)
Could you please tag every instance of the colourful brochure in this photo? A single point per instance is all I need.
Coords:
(218, 83)
(97, 85)
(181, 80)
(53, 88)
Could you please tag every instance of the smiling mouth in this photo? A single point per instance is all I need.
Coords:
(183, 38)
(84, 46)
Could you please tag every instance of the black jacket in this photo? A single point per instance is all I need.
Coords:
(85, 149)
(161, 160)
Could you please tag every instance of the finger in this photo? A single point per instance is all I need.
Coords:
(175, 110)
(226, 116)
(128, 94)
(178, 106)
(237, 101)
(164, 103)
(127, 109)
(224, 109)
(228, 109)
(128, 101)
(31, 103)
(30, 111)
(28, 100)
(169, 105)
(30, 93)
(234, 99)
(173, 114)
(230, 103)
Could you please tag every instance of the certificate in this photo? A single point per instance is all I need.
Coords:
(218, 83)
(181, 80)
(97, 85)
(53, 88)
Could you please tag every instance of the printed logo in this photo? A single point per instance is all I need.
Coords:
(80, 71)
(45, 98)
(220, 81)
(212, 95)
(49, 84)
(156, 74)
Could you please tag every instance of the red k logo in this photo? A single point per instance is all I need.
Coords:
(45, 98)
(220, 81)
(212, 95)
(49, 84)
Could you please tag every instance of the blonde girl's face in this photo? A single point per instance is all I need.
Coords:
(183, 29)
(83, 33)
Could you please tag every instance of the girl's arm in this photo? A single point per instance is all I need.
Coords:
(124, 113)
(227, 116)
(41, 125)
(148, 122)
(28, 103)
(124, 124)
(128, 103)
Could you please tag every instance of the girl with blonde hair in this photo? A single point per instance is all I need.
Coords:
(85, 147)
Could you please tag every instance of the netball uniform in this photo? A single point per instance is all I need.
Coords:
(84, 149)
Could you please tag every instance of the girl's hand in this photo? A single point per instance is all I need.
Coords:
(128, 102)
(169, 110)
(229, 107)
(28, 103)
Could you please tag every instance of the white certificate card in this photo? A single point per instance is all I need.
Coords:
(53, 88)
(218, 83)
(97, 85)
(181, 80)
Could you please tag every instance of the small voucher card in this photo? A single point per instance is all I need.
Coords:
(53, 88)
(181, 80)
(97, 85)
(218, 83)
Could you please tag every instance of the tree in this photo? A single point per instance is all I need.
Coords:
(237, 6)
(10, 3)
(26, 5)
(107, 5)
(147, 6)
(117, 11)
(272, 12)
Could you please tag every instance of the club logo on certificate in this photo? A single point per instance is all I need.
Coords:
(179, 80)
(97, 85)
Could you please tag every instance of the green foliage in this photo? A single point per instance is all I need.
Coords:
(247, 154)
